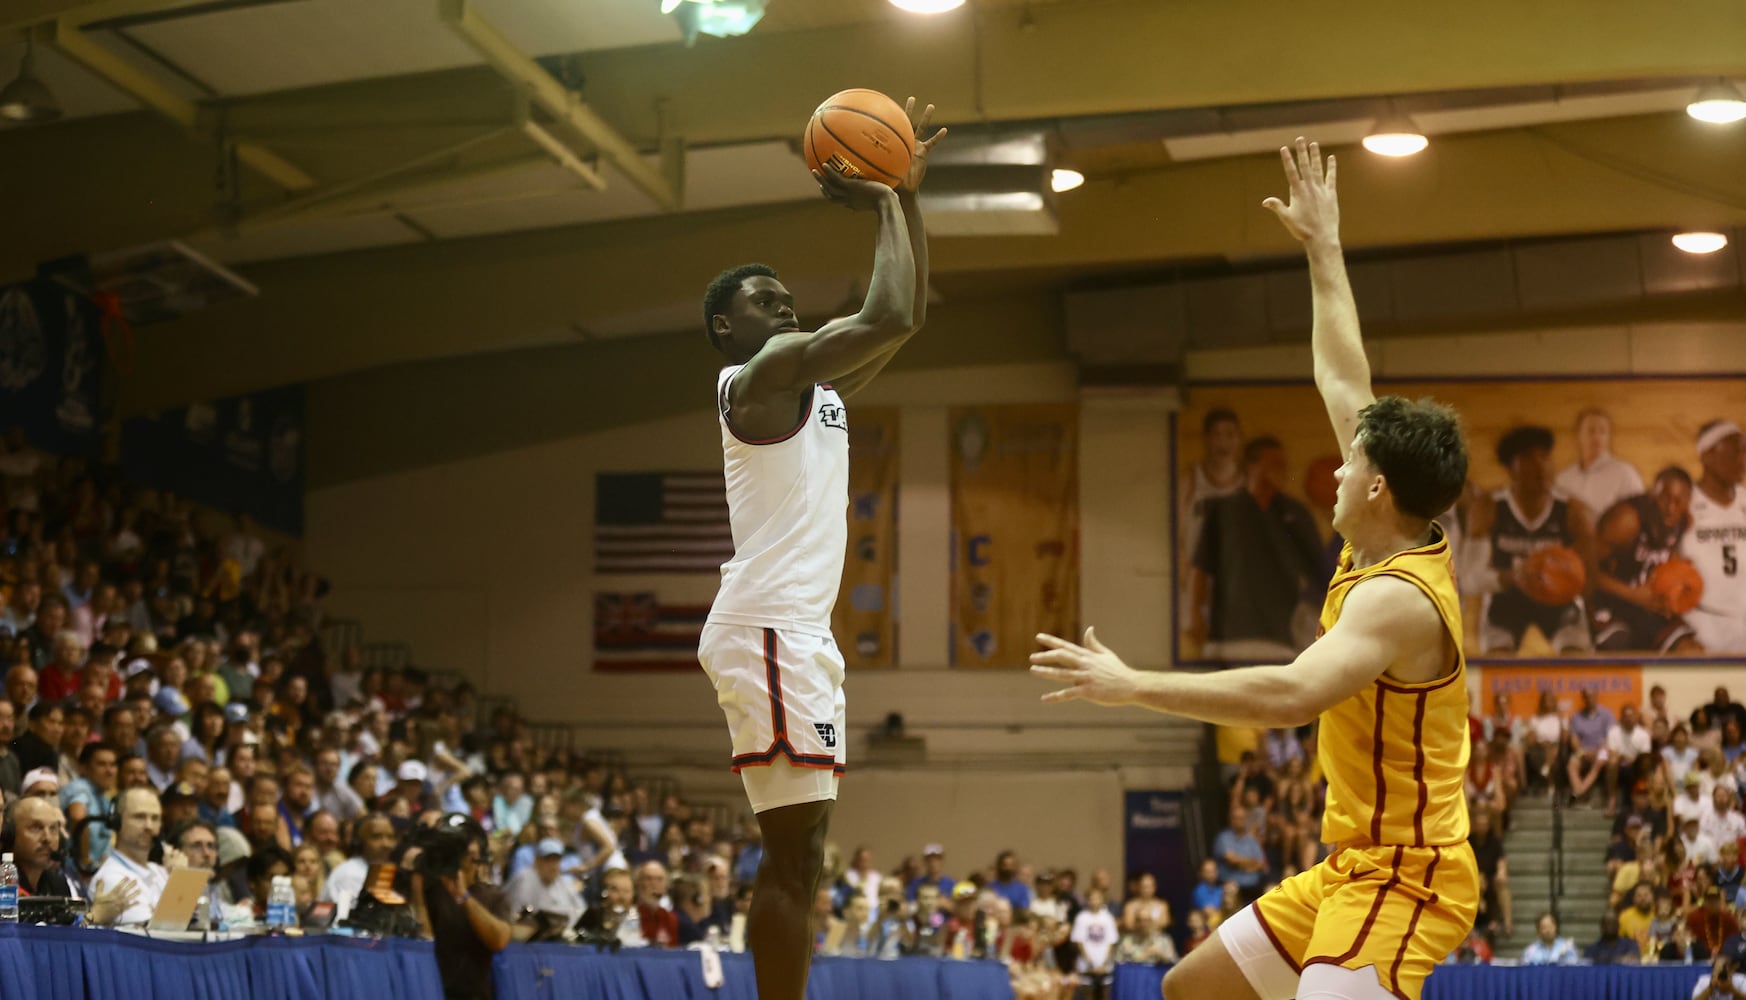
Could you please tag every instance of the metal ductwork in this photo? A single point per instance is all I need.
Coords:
(1155, 324)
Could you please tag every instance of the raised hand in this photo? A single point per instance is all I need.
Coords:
(111, 902)
(918, 163)
(1313, 212)
(857, 194)
(1090, 672)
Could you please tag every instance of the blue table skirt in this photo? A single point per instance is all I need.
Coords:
(560, 972)
(1486, 982)
(58, 963)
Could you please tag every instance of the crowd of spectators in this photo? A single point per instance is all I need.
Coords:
(168, 703)
(1672, 785)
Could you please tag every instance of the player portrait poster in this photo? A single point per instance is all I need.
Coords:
(1595, 525)
(864, 618)
(1015, 530)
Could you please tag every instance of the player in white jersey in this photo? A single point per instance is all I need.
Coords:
(767, 643)
(1716, 542)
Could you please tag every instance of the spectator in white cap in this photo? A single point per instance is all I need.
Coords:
(411, 776)
(542, 887)
(41, 782)
(933, 873)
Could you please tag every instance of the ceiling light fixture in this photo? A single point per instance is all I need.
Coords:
(1064, 179)
(1700, 242)
(1395, 134)
(26, 98)
(927, 6)
(721, 18)
(1718, 103)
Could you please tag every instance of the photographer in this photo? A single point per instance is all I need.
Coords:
(468, 919)
(1725, 978)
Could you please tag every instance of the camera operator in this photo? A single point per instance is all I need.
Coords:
(1725, 979)
(468, 919)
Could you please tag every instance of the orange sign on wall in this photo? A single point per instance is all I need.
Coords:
(1614, 687)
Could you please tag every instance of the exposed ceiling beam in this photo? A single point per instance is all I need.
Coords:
(319, 317)
(66, 36)
(556, 100)
(18, 14)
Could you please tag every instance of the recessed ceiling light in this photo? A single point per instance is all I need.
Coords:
(1395, 135)
(1719, 104)
(1063, 179)
(1700, 242)
(927, 6)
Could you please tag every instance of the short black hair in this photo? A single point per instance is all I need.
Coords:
(43, 709)
(1216, 416)
(1256, 446)
(264, 858)
(91, 750)
(1673, 472)
(1529, 437)
(183, 827)
(1419, 448)
(721, 292)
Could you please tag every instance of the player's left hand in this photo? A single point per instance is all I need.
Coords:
(1090, 672)
(918, 163)
(1313, 212)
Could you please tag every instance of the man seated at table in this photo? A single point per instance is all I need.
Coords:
(1610, 948)
(375, 844)
(140, 819)
(38, 837)
(543, 888)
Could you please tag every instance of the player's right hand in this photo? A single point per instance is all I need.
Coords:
(858, 194)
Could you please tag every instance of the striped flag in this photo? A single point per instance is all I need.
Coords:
(661, 522)
(635, 631)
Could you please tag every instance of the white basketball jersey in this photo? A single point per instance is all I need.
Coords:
(788, 501)
(1716, 544)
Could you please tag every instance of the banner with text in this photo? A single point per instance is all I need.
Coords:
(1015, 530)
(865, 618)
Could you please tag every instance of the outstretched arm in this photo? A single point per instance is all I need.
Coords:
(909, 198)
(1313, 216)
(1383, 620)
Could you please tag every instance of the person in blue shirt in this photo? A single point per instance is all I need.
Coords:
(1209, 892)
(1549, 948)
(933, 873)
(1006, 882)
(1239, 854)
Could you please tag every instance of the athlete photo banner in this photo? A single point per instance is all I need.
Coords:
(865, 617)
(1015, 530)
(1604, 518)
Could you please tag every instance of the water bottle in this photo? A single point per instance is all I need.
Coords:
(281, 904)
(8, 890)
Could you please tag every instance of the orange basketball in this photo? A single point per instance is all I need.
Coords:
(1319, 483)
(1554, 575)
(1678, 583)
(860, 134)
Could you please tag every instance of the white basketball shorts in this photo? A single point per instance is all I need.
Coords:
(782, 694)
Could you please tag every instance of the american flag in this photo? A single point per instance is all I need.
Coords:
(661, 522)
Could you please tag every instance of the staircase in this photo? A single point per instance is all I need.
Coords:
(1529, 846)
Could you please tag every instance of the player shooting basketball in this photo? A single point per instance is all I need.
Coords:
(767, 643)
(1386, 679)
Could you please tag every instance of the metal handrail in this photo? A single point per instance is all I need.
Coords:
(1555, 861)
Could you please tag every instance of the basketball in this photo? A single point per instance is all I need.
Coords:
(1553, 576)
(860, 134)
(1678, 583)
(1319, 484)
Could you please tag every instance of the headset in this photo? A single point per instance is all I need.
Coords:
(112, 820)
(9, 835)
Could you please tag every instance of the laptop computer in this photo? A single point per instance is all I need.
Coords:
(181, 895)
